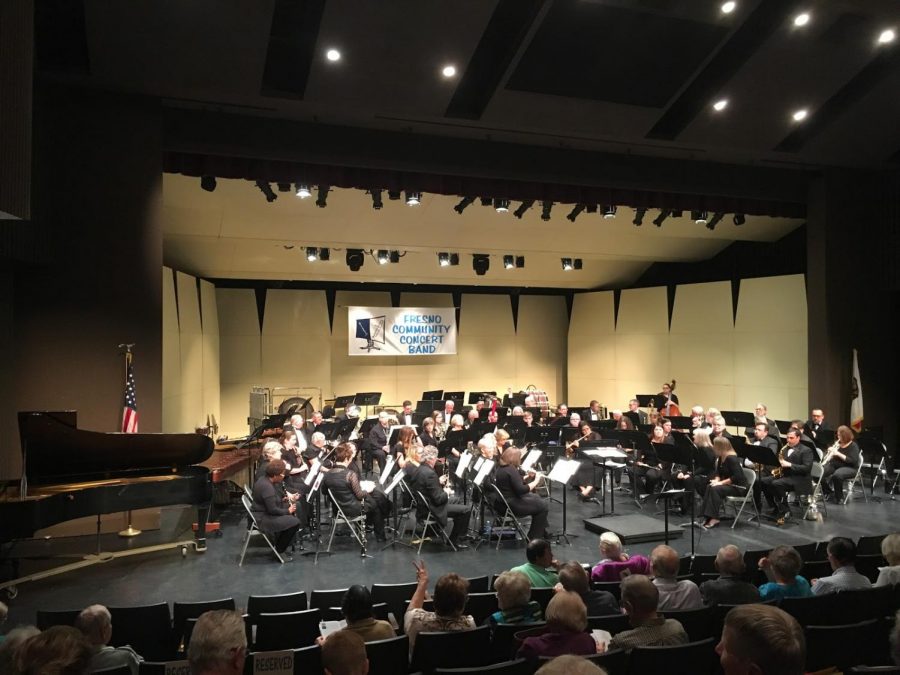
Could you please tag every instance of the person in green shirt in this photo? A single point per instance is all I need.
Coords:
(542, 568)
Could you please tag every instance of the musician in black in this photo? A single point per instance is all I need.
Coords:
(442, 505)
(647, 467)
(718, 429)
(796, 465)
(274, 516)
(816, 429)
(345, 487)
(634, 407)
(296, 466)
(584, 477)
(271, 451)
(666, 396)
(378, 439)
(763, 439)
(842, 466)
(594, 414)
(300, 429)
(761, 415)
(427, 434)
(695, 479)
(728, 481)
(406, 416)
(519, 494)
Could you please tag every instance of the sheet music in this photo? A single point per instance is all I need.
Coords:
(367, 485)
(531, 459)
(563, 470)
(313, 470)
(604, 453)
(478, 463)
(315, 487)
(464, 460)
(394, 483)
(388, 467)
(486, 467)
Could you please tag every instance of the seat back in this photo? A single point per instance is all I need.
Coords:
(841, 646)
(247, 501)
(308, 660)
(819, 610)
(394, 596)
(455, 649)
(870, 545)
(868, 565)
(56, 617)
(686, 659)
(274, 604)
(334, 597)
(516, 667)
(479, 584)
(182, 611)
(613, 661)
(118, 670)
(614, 587)
(542, 596)
(808, 551)
(612, 623)
(503, 643)
(147, 629)
(287, 630)
(703, 564)
(863, 604)
(388, 657)
(481, 606)
(816, 570)
(699, 623)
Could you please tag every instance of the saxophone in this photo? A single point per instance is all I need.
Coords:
(778, 471)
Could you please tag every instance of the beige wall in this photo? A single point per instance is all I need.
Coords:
(717, 359)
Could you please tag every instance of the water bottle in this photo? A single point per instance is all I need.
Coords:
(488, 527)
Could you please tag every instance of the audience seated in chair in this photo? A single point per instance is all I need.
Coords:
(564, 633)
(59, 650)
(96, 624)
(574, 578)
(841, 556)
(895, 640)
(761, 639)
(673, 594)
(450, 593)
(357, 610)
(640, 600)
(218, 644)
(614, 563)
(782, 566)
(4, 612)
(514, 600)
(540, 561)
(570, 665)
(890, 549)
(344, 653)
(730, 588)
(10, 644)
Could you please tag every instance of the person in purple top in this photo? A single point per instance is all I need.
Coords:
(615, 563)
(565, 632)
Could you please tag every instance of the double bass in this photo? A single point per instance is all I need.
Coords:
(669, 407)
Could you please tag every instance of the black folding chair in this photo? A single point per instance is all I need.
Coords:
(840, 646)
(274, 604)
(869, 545)
(56, 617)
(504, 516)
(388, 657)
(182, 611)
(503, 642)
(863, 604)
(699, 623)
(456, 649)
(426, 517)
(479, 584)
(308, 660)
(818, 610)
(481, 606)
(146, 628)
(287, 630)
(693, 658)
(517, 667)
(254, 531)
(319, 599)
(614, 587)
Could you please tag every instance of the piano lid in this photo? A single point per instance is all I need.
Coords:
(55, 451)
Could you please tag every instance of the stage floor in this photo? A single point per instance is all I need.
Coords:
(167, 576)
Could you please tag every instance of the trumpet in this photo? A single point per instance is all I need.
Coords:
(831, 452)
(778, 471)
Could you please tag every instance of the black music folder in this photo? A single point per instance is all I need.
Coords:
(475, 396)
(433, 395)
(735, 418)
(344, 401)
(367, 398)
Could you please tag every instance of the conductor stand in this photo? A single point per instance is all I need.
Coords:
(666, 496)
(546, 439)
(314, 499)
(393, 489)
(640, 445)
(562, 472)
(683, 453)
(604, 457)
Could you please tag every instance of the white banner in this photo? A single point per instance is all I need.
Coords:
(401, 331)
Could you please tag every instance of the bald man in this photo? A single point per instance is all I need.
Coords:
(673, 594)
(730, 588)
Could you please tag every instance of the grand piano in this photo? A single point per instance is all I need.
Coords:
(70, 473)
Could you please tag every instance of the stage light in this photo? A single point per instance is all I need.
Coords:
(383, 256)
(355, 259)
(481, 263)
(208, 183)
(312, 253)
(322, 199)
(720, 105)
(303, 191)
(739, 219)
(377, 204)
(801, 19)
(463, 204)
(324, 254)
(575, 212)
(567, 264)
(546, 207)
(886, 36)
(394, 256)
(700, 217)
(266, 189)
(663, 214)
(609, 211)
(508, 262)
(393, 195)
(591, 208)
(711, 225)
(284, 187)
(639, 217)
(333, 55)
(728, 7)
(800, 115)
(501, 205)
(523, 207)
(577, 263)
(449, 71)
(446, 259)
(487, 201)
(413, 198)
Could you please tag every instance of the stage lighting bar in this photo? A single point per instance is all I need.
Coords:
(447, 259)
(663, 214)
(523, 207)
(322, 199)
(569, 264)
(266, 189)
(413, 198)
(377, 203)
(312, 253)
(355, 259)
(739, 219)
(546, 207)
(463, 204)
(208, 183)
(711, 225)
(303, 191)
(639, 217)
(481, 263)
(394, 195)
(575, 212)
(609, 211)
(284, 187)
(501, 205)
(700, 217)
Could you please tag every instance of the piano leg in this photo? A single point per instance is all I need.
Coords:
(200, 533)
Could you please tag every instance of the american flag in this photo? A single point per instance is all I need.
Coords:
(130, 413)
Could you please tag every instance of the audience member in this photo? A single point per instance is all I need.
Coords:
(890, 549)
(761, 639)
(844, 577)
(565, 632)
(344, 653)
(450, 593)
(10, 645)
(59, 650)
(540, 559)
(782, 566)
(4, 612)
(895, 639)
(357, 610)
(570, 665)
(673, 594)
(96, 623)
(574, 578)
(614, 563)
(514, 600)
(218, 644)
(640, 600)
(730, 588)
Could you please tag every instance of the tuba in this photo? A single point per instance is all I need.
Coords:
(778, 471)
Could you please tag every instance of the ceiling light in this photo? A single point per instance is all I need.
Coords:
(393, 195)
(577, 263)
(487, 201)
(700, 217)
(501, 205)
(394, 256)
(523, 207)
(312, 253)
(463, 204)
(545, 210)
(575, 212)
(739, 219)
(322, 199)
(800, 115)
(801, 19)
(509, 262)
(383, 256)
(355, 259)
(303, 190)
(520, 261)
(481, 263)
(609, 211)
(208, 183)
(448, 71)
(377, 204)
(284, 187)
(639, 217)
(663, 214)
(324, 254)
(334, 55)
(446, 259)
(728, 7)
(711, 225)
(413, 198)
(266, 189)
(567, 264)
(886, 36)
(591, 208)
(720, 105)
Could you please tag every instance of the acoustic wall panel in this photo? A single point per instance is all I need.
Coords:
(487, 343)
(420, 373)
(191, 349)
(171, 356)
(541, 344)
(239, 345)
(351, 374)
(642, 342)
(209, 318)
(591, 360)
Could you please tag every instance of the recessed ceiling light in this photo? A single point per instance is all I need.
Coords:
(801, 19)
(448, 71)
(800, 115)
(886, 36)
(728, 7)
(333, 55)
(720, 105)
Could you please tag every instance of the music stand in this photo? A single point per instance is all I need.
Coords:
(634, 417)
(562, 473)
(685, 455)
(512, 400)
(475, 396)
(366, 399)
(680, 422)
(456, 396)
(515, 427)
(637, 440)
(783, 425)
(646, 400)
(536, 413)
(605, 450)
(344, 401)
(428, 406)
(433, 395)
(541, 435)
(758, 455)
(871, 446)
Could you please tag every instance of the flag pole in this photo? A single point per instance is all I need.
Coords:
(129, 531)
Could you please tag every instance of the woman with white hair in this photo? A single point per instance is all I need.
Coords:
(272, 450)
(519, 494)
(514, 600)
(614, 562)
(890, 549)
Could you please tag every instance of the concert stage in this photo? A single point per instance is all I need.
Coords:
(633, 528)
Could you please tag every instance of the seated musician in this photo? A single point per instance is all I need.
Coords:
(634, 406)
(405, 445)
(440, 427)
(345, 488)
(472, 417)
(796, 465)
(517, 411)
(299, 428)
(317, 445)
(274, 515)
(728, 481)
(624, 423)
(493, 417)
(562, 416)
(271, 451)
(519, 494)
(761, 416)
(502, 438)
(378, 440)
(594, 413)
(584, 477)
(295, 465)
(647, 467)
(697, 481)
(441, 503)
(764, 440)
(806, 440)
(428, 436)
(711, 415)
(698, 419)
(528, 418)
(449, 407)
(842, 465)
(718, 429)
(406, 415)
(666, 396)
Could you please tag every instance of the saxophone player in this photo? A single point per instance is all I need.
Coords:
(842, 465)
(796, 462)
(762, 438)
